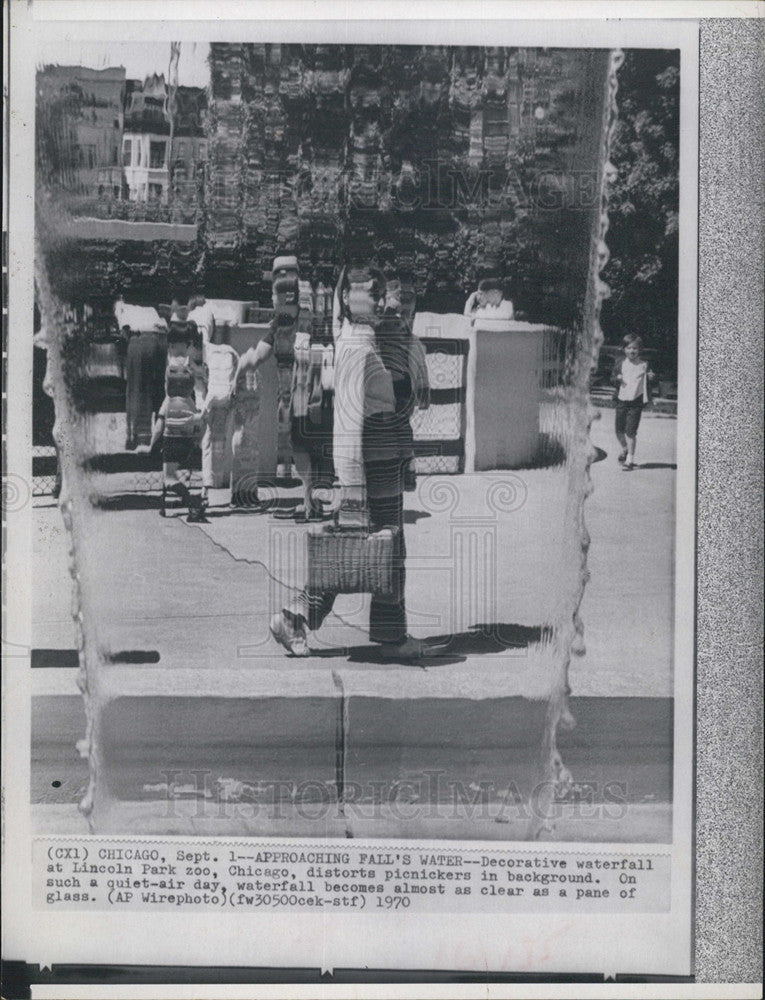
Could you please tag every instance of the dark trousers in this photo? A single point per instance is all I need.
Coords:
(387, 614)
(144, 390)
(405, 403)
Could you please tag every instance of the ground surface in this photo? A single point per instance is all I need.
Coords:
(190, 604)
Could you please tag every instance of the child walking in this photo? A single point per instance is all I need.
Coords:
(631, 376)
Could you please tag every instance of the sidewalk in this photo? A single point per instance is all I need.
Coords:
(198, 684)
(201, 595)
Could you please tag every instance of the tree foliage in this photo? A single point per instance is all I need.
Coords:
(643, 211)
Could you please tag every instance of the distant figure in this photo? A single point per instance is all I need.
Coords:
(141, 327)
(489, 302)
(178, 422)
(631, 375)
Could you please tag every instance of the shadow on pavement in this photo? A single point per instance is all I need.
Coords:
(657, 465)
(413, 516)
(127, 501)
(455, 648)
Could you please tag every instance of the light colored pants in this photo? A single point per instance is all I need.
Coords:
(216, 447)
(244, 444)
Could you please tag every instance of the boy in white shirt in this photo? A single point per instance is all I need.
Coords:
(631, 376)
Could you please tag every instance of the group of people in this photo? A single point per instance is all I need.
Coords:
(350, 405)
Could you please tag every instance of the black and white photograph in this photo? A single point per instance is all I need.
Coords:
(331, 394)
(360, 496)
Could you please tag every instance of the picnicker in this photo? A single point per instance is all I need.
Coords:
(368, 461)
(631, 376)
(178, 422)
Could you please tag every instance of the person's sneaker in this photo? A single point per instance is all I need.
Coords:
(292, 637)
(628, 467)
(622, 456)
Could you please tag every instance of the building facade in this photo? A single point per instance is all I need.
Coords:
(87, 105)
(163, 141)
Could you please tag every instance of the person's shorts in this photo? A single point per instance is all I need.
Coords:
(316, 438)
(179, 451)
(628, 414)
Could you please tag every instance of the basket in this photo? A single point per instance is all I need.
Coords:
(351, 562)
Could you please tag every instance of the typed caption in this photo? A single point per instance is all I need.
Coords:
(92, 874)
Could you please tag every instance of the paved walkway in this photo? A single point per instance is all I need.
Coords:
(200, 595)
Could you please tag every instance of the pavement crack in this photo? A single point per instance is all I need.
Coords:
(259, 563)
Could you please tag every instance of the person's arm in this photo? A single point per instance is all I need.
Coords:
(616, 374)
(253, 358)
(418, 367)
(470, 305)
(157, 431)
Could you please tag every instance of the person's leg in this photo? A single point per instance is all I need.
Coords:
(132, 383)
(631, 428)
(304, 467)
(284, 396)
(306, 610)
(244, 453)
(404, 409)
(147, 345)
(619, 427)
(207, 456)
(387, 612)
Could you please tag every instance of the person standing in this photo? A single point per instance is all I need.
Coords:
(221, 360)
(278, 341)
(631, 376)
(368, 462)
(177, 423)
(145, 366)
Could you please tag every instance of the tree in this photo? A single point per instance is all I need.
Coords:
(643, 209)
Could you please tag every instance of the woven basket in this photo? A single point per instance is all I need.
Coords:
(350, 562)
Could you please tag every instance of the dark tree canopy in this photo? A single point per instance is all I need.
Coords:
(643, 229)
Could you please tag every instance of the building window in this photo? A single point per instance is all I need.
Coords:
(155, 192)
(127, 152)
(156, 155)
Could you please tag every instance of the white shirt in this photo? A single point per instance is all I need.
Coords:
(140, 319)
(503, 310)
(633, 385)
(204, 319)
(221, 360)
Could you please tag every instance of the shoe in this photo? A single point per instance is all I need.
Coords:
(628, 467)
(285, 513)
(244, 502)
(292, 637)
(622, 456)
